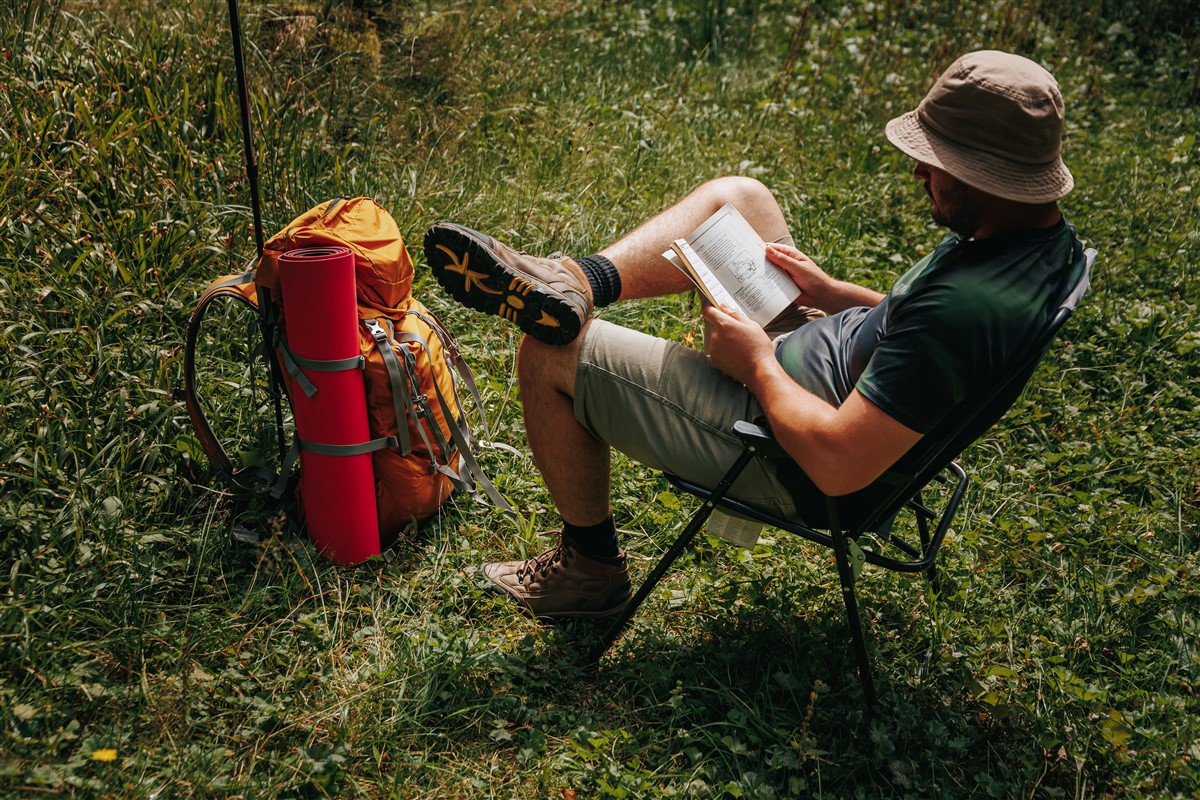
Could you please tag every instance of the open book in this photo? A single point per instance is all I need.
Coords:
(727, 260)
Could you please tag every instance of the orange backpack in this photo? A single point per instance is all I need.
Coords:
(410, 365)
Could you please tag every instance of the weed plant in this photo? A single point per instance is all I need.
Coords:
(160, 637)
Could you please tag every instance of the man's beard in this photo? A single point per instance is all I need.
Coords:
(956, 212)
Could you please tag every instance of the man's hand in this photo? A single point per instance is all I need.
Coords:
(803, 271)
(735, 344)
(817, 288)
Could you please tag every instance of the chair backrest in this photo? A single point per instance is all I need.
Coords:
(970, 420)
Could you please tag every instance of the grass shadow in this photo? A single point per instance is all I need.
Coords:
(780, 684)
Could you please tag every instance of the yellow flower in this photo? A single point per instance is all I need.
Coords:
(106, 754)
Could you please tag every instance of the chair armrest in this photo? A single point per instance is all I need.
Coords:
(758, 438)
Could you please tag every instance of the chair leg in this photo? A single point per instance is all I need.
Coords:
(681, 543)
(931, 573)
(846, 578)
(652, 580)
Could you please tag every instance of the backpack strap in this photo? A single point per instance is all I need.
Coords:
(407, 401)
(362, 448)
(421, 401)
(241, 289)
(279, 485)
(401, 397)
(296, 364)
(459, 367)
(475, 478)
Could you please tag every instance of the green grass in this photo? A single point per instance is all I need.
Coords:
(133, 618)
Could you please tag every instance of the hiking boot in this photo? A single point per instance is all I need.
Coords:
(548, 298)
(563, 583)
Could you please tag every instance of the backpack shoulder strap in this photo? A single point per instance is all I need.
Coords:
(240, 288)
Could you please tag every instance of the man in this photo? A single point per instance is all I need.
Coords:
(846, 394)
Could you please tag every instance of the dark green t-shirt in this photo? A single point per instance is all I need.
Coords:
(952, 323)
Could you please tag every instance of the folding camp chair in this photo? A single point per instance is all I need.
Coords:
(872, 510)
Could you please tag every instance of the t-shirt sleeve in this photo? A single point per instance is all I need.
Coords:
(954, 328)
(920, 368)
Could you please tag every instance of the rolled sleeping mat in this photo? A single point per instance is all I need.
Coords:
(336, 473)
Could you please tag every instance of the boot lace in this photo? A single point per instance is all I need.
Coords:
(549, 562)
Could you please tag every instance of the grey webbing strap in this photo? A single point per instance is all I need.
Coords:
(294, 363)
(362, 448)
(487, 445)
(431, 421)
(468, 378)
(467, 446)
(458, 366)
(285, 470)
(425, 412)
(331, 365)
(420, 410)
(401, 398)
(474, 471)
(414, 407)
(461, 484)
(280, 481)
(289, 363)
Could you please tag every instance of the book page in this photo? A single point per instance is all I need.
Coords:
(737, 256)
(727, 260)
(695, 268)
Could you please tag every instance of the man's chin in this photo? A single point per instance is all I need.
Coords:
(965, 228)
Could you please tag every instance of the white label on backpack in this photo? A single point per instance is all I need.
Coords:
(742, 532)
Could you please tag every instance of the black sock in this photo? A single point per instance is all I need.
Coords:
(603, 277)
(596, 541)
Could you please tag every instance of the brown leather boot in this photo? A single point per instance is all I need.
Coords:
(563, 583)
(547, 298)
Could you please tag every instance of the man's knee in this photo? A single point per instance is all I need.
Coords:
(745, 193)
(548, 366)
(753, 199)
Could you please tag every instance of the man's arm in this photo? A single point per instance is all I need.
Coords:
(840, 449)
(817, 288)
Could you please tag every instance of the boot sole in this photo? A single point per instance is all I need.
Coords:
(474, 276)
(520, 602)
(603, 614)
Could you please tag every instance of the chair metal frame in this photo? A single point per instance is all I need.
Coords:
(932, 459)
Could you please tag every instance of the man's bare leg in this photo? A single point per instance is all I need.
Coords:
(638, 254)
(580, 577)
(573, 463)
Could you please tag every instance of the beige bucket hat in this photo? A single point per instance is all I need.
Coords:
(994, 121)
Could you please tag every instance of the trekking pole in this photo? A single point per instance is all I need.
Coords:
(266, 309)
(239, 67)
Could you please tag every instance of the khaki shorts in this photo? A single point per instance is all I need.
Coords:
(666, 406)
